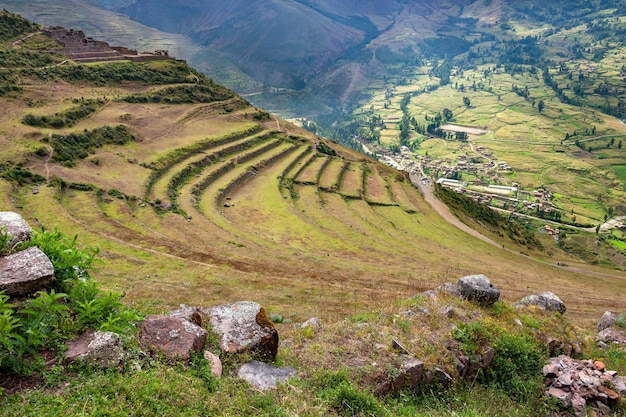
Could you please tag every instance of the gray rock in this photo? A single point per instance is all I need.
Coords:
(314, 323)
(564, 396)
(184, 312)
(579, 405)
(101, 349)
(244, 327)
(550, 370)
(607, 320)
(619, 382)
(409, 376)
(25, 272)
(263, 376)
(487, 357)
(397, 346)
(478, 288)
(547, 301)
(581, 384)
(175, 337)
(15, 226)
(612, 335)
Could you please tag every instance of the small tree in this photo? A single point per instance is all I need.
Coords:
(540, 106)
(466, 101)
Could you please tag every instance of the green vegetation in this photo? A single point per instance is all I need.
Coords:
(13, 25)
(51, 318)
(66, 119)
(69, 147)
(19, 175)
(156, 72)
(482, 217)
(183, 94)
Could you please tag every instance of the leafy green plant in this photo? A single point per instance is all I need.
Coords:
(5, 241)
(69, 259)
(46, 321)
(10, 340)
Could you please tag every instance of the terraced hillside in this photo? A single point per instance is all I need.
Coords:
(193, 195)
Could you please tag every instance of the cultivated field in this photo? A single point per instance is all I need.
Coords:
(217, 202)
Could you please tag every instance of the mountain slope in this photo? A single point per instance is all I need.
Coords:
(198, 197)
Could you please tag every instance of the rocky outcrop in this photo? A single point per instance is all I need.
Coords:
(546, 301)
(16, 227)
(244, 327)
(408, 376)
(25, 272)
(582, 384)
(263, 376)
(468, 367)
(175, 337)
(101, 349)
(479, 289)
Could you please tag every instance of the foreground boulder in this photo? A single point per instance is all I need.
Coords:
(263, 376)
(16, 227)
(581, 384)
(101, 349)
(476, 288)
(175, 337)
(479, 289)
(25, 272)
(546, 301)
(244, 327)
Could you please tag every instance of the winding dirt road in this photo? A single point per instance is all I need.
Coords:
(426, 189)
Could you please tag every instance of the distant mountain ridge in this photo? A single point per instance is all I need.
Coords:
(321, 54)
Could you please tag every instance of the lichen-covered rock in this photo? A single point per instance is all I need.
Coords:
(607, 320)
(175, 337)
(546, 301)
(101, 349)
(16, 227)
(25, 272)
(244, 327)
(479, 289)
(314, 323)
(263, 376)
(612, 335)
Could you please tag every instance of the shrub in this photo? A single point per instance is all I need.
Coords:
(516, 365)
(72, 146)
(52, 317)
(70, 261)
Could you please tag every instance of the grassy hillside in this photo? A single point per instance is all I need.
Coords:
(211, 199)
(195, 196)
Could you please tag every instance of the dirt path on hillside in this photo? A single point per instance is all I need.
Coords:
(45, 165)
(427, 191)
